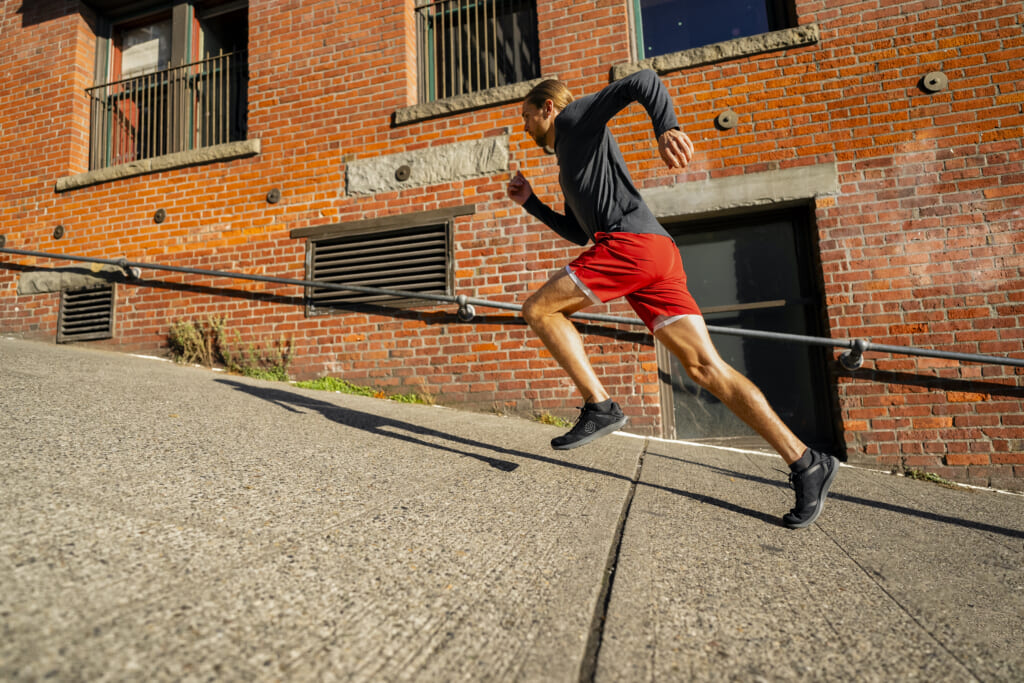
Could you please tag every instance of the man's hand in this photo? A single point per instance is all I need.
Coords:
(675, 148)
(519, 189)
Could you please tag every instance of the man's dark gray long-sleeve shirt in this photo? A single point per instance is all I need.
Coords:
(599, 193)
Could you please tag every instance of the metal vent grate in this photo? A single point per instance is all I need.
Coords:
(86, 314)
(409, 259)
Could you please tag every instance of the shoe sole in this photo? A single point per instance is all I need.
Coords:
(821, 497)
(590, 437)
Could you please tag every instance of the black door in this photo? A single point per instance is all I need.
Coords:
(757, 272)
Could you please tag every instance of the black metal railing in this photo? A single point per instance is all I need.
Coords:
(465, 46)
(173, 110)
(852, 359)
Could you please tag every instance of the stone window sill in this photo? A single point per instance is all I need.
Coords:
(204, 155)
(798, 36)
(476, 100)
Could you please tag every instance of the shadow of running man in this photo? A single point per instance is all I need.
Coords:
(417, 434)
(383, 426)
(877, 504)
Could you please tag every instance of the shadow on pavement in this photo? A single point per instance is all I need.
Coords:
(376, 424)
(408, 432)
(877, 504)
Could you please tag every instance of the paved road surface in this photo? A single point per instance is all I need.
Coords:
(163, 523)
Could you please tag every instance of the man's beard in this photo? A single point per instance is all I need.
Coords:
(548, 149)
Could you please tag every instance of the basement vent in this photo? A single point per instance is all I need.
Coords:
(413, 260)
(86, 314)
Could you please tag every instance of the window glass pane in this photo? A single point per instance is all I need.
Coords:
(145, 49)
(748, 264)
(227, 32)
(674, 25)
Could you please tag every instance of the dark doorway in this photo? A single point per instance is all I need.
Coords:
(758, 272)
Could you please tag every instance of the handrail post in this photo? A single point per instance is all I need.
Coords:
(466, 311)
(854, 358)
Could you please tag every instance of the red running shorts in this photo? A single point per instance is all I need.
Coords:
(646, 269)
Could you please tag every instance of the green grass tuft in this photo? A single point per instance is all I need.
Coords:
(921, 475)
(343, 386)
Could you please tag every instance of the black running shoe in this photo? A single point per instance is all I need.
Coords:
(811, 487)
(592, 424)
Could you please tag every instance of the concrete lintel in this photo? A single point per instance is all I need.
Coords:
(429, 166)
(203, 155)
(718, 52)
(743, 191)
(51, 280)
(469, 102)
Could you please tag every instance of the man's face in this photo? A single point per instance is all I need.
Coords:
(538, 122)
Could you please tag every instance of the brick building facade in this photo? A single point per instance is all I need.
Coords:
(859, 174)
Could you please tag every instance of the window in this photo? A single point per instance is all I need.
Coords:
(465, 46)
(144, 49)
(666, 26)
(170, 81)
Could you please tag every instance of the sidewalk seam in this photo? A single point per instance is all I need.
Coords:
(588, 666)
(901, 607)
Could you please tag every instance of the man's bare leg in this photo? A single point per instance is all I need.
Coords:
(812, 472)
(547, 311)
(688, 339)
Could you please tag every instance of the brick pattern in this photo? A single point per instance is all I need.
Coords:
(921, 246)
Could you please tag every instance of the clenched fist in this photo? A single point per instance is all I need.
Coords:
(676, 148)
(519, 189)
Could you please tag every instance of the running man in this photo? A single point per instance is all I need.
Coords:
(634, 257)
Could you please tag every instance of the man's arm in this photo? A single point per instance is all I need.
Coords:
(520, 191)
(567, 226)
(595, 111)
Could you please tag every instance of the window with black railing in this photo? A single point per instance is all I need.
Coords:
(465, 46)
(174, 109)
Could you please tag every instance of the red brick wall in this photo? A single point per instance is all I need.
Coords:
(921, 246)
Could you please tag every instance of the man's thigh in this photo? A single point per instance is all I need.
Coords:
(687, 338)
(558, 295)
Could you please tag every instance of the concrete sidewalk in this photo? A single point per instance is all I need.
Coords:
(168, 523)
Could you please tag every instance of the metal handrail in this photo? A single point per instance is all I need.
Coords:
(851, 360)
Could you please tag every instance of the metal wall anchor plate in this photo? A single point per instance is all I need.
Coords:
(727, 119)
(935, 81)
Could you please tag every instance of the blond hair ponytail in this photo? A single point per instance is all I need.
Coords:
(553, 90)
